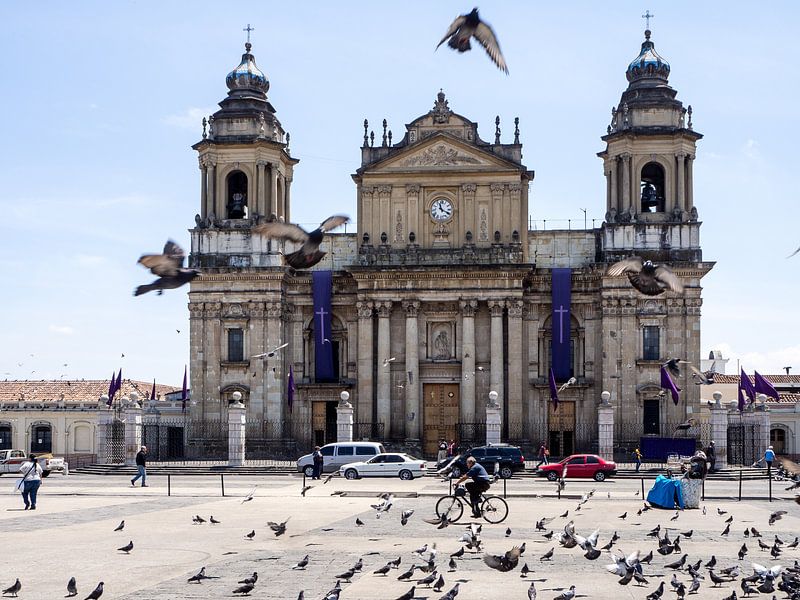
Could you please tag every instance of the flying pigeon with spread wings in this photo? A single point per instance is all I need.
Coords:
(647, 277)
(470, 25)
(309, 253)
(169, 268)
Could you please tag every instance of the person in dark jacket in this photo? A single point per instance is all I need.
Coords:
(319, 462)
(711, 454)
(141, 463)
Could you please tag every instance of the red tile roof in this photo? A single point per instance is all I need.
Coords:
(81, 390)
(777, 380)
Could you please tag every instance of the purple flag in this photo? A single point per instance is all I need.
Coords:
(764, 386)
(741, 399)
(290, 390)
(184, 391)
(322, 290)
(746, 385)
(111, 389)
(668, 384)
(560, 343)
(118, 385)
(153, 391)
(553, 390)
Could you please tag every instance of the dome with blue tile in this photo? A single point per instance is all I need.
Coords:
(247, 76)
(649, 65)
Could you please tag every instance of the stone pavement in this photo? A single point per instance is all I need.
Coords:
(71, 534)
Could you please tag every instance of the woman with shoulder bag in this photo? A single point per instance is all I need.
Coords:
(30, 481)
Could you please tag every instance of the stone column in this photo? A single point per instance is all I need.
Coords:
(275, 400)
(515, 374)
(287, 203)
(344, 419)
(762, 422)
(411, 380)
(282, 197)
(236, 431)
(261, 175)
(494, 419)
(690, 182)
(614, 201)
(719, 431)
(103, 437)
(467, 408)
(384, 389)
(496, 362)
(212, 192)
(365, 362)
(273, 189)
(681, 198)
(132, 416)
(626, 182)
(605, 427)
(203, 189)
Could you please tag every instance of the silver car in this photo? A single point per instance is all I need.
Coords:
(338, 454)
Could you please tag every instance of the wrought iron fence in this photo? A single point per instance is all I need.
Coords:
(114, 452)
(206, 439)
(744, 445)
(368, 431)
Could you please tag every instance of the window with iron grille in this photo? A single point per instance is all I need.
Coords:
(650, 343)
(235, 345)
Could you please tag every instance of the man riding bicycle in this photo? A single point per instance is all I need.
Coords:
(478, 485)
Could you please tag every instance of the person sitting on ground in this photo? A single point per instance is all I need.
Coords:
(479, 484)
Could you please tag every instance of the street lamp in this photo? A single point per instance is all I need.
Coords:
(493, 398)
(344, 399)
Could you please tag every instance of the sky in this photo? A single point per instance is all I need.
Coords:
(103, 101)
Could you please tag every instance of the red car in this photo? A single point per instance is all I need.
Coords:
(580, 465)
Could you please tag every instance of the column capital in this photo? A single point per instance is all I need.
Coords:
(364, 309)
(384, 308)
(515, 308)
(496, 307)
(681, 155)
(274, 310)
(468, 307)
(411, 307)
(626, 157)
(412, 189)
(469, 188)
(261, 164)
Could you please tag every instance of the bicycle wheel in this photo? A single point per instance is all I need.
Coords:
(450, 506)
(494, 509)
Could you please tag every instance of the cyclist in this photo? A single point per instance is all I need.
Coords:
(478, 485)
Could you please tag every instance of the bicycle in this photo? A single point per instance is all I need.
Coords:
(493, 509)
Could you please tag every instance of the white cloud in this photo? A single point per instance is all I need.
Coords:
(771, 362)
(191, 118)
(62, 329)
(90, 260)
(751, 149)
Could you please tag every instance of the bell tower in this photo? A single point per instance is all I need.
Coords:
(648, 162)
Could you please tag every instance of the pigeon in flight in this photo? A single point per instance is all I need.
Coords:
(702, 378)
(121, 526)
(127, 549)
(793, 253)
(570, 381)
(309, 253)
(169, 268)
(776, 516)
(72, 588)
(96, 592)
(271, 353)
(470, 25)
(405, 516)
(278, 528)
(650, 279)
(504, 563)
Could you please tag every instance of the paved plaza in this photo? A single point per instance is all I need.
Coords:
(71, 534)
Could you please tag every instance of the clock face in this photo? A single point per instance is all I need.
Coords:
(441, 209)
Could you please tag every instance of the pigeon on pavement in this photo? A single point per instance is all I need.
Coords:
(96, 592)
(72, 588)
(121, 526)
(126, 549)
(13, 589)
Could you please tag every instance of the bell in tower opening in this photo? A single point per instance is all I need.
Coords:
(652, 185)
(237, 195)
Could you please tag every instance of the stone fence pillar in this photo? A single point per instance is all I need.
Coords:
(236, 431)
(344, 419)
(494, 420)
(605, 427)
(719, 431)
(132, 417)
(103, 435)
(763, 425)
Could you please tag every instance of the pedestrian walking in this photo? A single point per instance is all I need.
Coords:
(711, 454)
(543, 454)
(637, 457)
(769, 457)
(442, 455)
(319, 462)
(451, 449)
(141, 464)
(30, 482)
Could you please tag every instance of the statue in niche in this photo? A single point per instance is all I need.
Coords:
(441, 345)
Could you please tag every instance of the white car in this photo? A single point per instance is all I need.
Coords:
(387, 464)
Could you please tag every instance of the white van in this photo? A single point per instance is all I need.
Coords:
(338, 454)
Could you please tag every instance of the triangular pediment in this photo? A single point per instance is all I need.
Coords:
(441, 151)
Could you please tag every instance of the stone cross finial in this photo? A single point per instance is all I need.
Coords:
(647, 16)
(497, 129)
(384, 133)
(248, 29)
(516, 130)
(205, 123)
(366, 133)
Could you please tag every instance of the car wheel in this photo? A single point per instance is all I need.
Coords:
(599, 476)
(308, 471)
(351, 474)
(506, 472)
(456, 472)
(552, 476)
(406, 475)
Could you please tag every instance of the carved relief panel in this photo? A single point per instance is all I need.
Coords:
(441, 340)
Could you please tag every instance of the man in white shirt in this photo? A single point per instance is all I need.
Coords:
(31, 480)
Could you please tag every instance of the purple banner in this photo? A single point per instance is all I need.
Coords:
(553, 390)
(562, 288)
(322, 290)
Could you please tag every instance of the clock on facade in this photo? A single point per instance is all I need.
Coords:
(441, 209)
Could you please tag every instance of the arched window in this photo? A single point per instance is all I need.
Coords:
(82, 439)
(236, 195)
(42, 438)
(777, 439)
(652, 185)
(5, 436)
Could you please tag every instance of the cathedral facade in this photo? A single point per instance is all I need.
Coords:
(443, 294)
